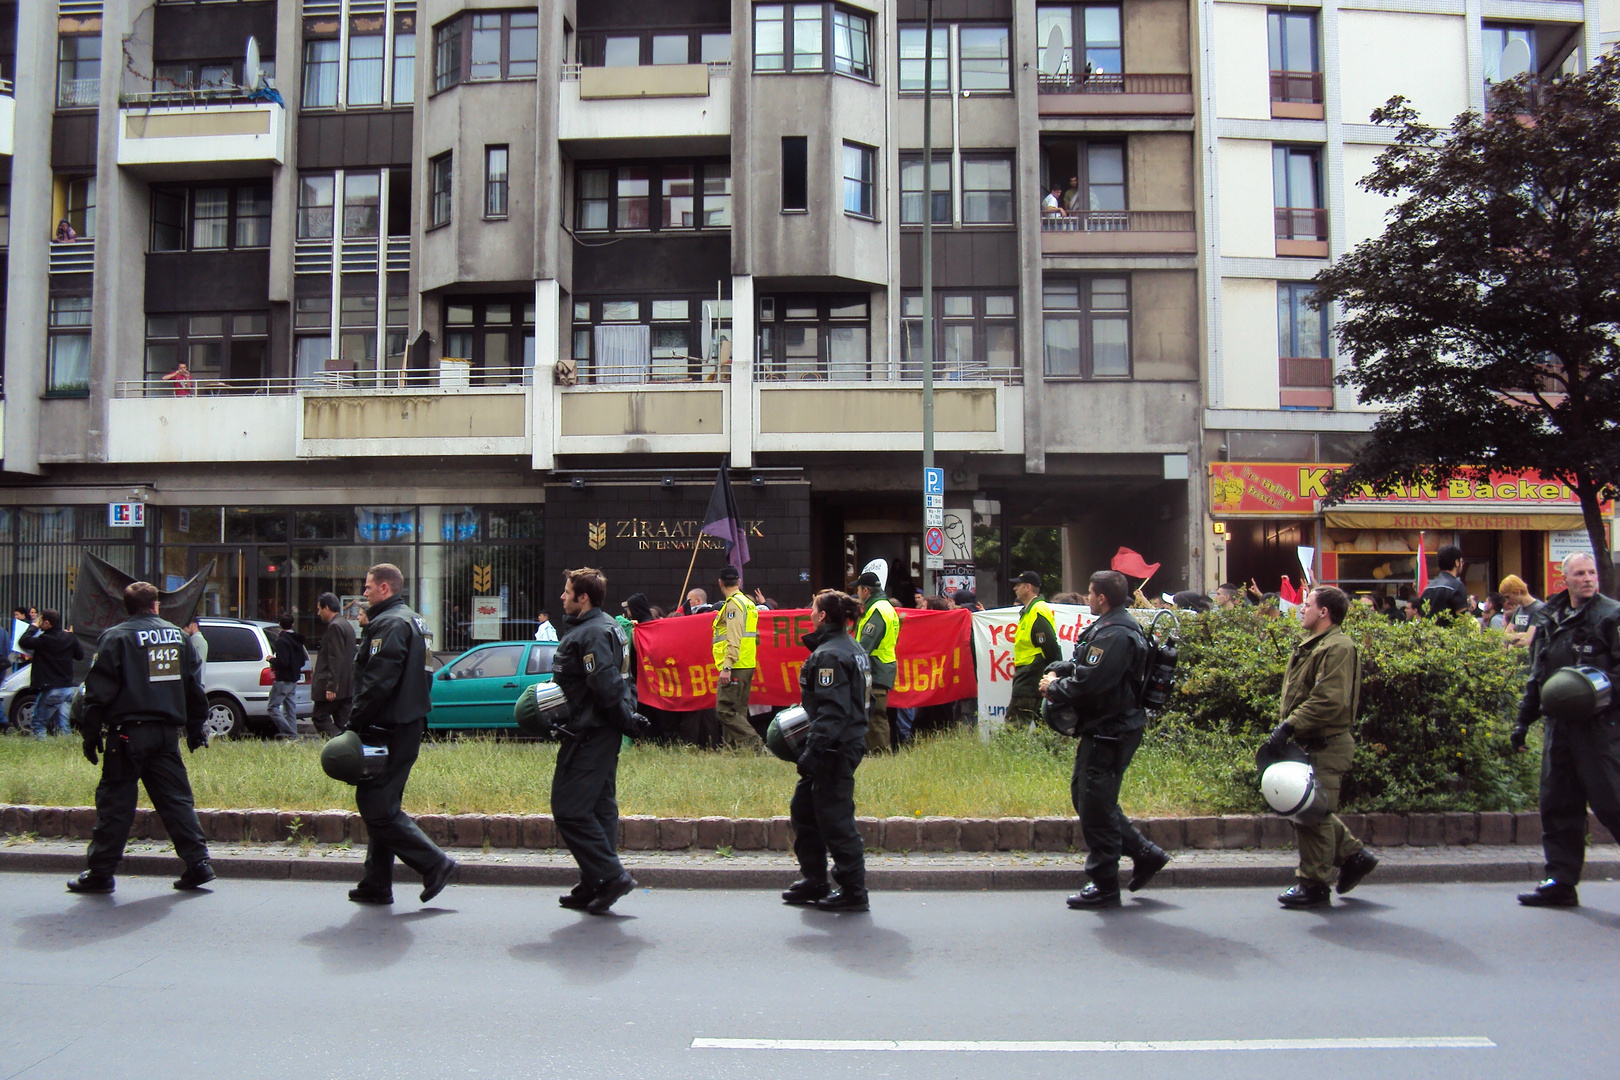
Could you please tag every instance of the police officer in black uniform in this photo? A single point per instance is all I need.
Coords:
(1580, 757)
(1104, 686)
(145, 684)
(835, 685)
(391, 702)
(591, 667)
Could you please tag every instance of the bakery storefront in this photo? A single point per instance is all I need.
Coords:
(1269, 511)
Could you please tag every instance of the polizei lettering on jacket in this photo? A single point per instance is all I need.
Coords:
(162, 653)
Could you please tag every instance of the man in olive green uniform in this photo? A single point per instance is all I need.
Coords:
(878, 631)
(1035, 645)
(736, 638)
(1320, 692)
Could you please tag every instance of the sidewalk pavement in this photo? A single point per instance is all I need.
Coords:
(774, 870)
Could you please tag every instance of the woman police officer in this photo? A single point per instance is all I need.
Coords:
(834, 685)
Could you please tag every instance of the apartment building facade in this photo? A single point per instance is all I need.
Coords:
(1288, 92)
(489, 289)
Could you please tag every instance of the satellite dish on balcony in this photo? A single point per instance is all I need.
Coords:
(1515, 59)
(1052, 55)
(252, 71)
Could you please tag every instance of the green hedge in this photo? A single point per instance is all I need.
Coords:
(1437, 703)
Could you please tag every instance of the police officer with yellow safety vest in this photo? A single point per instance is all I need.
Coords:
(736, 641)
(1035, 645)
(878, 632)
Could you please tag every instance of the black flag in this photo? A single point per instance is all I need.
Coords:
(722, 520)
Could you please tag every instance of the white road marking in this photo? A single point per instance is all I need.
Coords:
(1160, 1046)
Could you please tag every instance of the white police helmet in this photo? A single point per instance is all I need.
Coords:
(1291, 790)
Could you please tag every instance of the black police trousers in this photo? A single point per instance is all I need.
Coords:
(584, 803)
(1580, 767)
(1099, 767)
(823, 817)
(145, 753)
(389, 830)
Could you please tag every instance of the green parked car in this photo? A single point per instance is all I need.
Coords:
(479, 688)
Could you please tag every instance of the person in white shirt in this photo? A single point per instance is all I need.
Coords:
(546, 631)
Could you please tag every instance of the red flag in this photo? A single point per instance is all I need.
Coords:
(1287, 591)
(1422, 567)
(1131, 564)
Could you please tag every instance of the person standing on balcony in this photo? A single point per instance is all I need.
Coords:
(182, 380)
(1052, 205)
(1071, 197)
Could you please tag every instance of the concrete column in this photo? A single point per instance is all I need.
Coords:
(1029, 234)
(544, 393)
(743, 341)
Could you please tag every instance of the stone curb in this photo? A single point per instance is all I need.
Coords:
(934, 834)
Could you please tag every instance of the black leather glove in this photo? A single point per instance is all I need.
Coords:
(196, 738)
(92, 745)
(640, 727)
(1280, 735)
(1520, 733)
(808, 759)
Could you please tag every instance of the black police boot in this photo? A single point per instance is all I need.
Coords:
(196, 876)
(91, 882)
(845, 899)
(609, 892)
(1355, 868)
(1549, 893)
(806, 891)
(1307, 894)
(1096, 896)
(1147, 864)
(577, 898)
(370, 893)
(434, 881)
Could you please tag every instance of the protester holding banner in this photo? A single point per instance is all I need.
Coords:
(1035, 645)
(736, 647)
(879, 632)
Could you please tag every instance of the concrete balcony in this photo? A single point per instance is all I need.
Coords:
(1115, 95)
(986, 418)
(454, 421)
(645, 110)
(73, 256)
(179, 129)
(8, 118)
(201, 428)
(643, 419)
(1120, 232)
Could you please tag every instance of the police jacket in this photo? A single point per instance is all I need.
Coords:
(145, 670)
(1105, 685)
(54, 652)
(1588, 635)
(1446, 596)
(334, 663)
(834, 687)
(391, 682)
(588, 667)
(1322, 687)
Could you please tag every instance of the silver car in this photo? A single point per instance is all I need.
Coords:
(237, 678)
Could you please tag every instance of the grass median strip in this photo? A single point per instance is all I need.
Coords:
(953, 775)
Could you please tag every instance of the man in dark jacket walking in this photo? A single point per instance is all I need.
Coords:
(52, 672)
(333, 677)
(1447, 596)
(391, 702)
(589, 666)
(287, 659)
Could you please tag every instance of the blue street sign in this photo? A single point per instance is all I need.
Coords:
(933, 481)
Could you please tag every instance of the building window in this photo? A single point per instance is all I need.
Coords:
(495, 333)
(1295, 63)
(987, 190)
(321, 73)
(1077, 41)
(1510, 51)
(312, 336)
(495, 181)
(366, 69)
(210, 218)
(976, 338)
(315, 202)
(1086, 327)
(500, 45)
(913, 40)
(815, 338)
(216, 346)
(68, 361)
(362, 204)
(795, 174)
(1296, 173)
(405, 67)
(252, 211)
(78, 71)
(168, 220)
(795, 37)
(911, 189)
(650, 339)
(710, 45)
(859, 166)
(1305, 373)
(654, 197)
(81, 206)
(439, 179)
(986, 60)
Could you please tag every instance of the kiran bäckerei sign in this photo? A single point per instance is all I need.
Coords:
(1296, 489)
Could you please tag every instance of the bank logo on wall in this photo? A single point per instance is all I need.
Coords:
(596, 535)
(481, 578)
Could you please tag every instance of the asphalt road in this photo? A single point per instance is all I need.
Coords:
(287, 979)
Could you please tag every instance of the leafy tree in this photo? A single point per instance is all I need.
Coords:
(1484, 319)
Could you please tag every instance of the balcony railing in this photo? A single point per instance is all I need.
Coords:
(1120, 221)
(658, 369)
(1297, 87)
(1116, 83)
(192, 96)
(975, 370)
(718, 69)
(1301, 223)
(78, 93)
(453, 376)
(73, 256)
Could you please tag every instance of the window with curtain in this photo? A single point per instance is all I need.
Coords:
(439, 181)
(859, 169)
(366, 69)
(404, 68)
(210, 218)
(321, 60)
(913, 49)
(986, 61)
(658, 196)
(495, 182)
(1086, 327)
(852, 43)
(911, 189)
(987, 189)
(976, 334)
(68, 347)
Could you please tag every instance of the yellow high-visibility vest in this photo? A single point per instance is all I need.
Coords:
(884, 653)
(1025, 651)
(747, 650)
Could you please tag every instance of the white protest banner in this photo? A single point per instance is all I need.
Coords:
(993, 633)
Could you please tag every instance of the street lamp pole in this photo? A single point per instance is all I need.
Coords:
(928, 263)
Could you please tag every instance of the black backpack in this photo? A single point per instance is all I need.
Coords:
(1158, 682)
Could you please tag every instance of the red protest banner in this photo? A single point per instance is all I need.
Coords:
(934, 660)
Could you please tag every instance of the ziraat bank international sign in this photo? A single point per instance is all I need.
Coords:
(659, 534)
